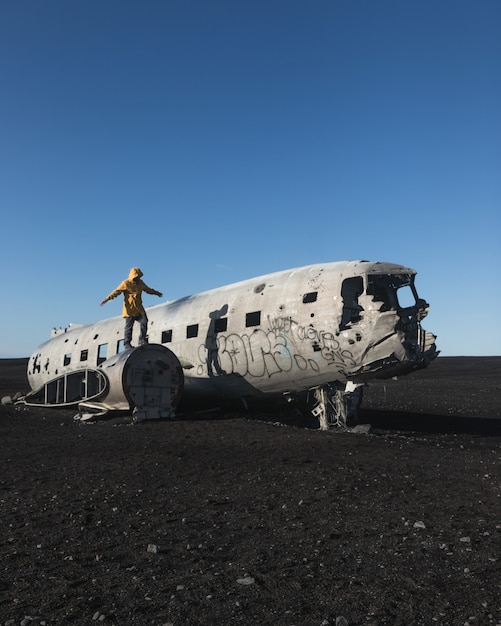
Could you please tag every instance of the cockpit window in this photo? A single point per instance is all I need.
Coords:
(395, 291)
(405, 297)
(351, 289)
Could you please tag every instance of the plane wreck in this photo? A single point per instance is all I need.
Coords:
(324, 330)
(147, 381)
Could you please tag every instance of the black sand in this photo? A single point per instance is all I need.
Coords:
(239, 519)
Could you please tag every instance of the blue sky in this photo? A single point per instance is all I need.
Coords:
(211, 141)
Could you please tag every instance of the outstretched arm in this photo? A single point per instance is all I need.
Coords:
(151, 291)
(112, 295)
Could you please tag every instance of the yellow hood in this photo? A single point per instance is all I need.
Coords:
(135, 272)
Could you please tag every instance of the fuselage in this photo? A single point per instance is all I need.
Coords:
(280, 333)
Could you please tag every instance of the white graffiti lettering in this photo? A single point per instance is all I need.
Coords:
(266, 353)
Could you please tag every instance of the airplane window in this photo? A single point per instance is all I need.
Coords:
(351, 289)
(253, 319)
(102, 352)
(384, 289)
(67, 359)
(192, 331)
(166, 336)
(120, 345)
(310, 297)
(405, 297)
(220, 324)
(84, 355)
(378, 288)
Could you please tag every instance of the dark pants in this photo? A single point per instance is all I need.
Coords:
(143, 329)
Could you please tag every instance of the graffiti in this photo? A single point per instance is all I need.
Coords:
(280, 324)
(333, 353)
(266, 353)
(36, 364)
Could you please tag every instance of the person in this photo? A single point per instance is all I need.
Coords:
(133, 309)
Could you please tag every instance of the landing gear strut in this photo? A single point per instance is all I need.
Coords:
(337, 406)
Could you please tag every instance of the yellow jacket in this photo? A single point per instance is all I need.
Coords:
(132, 289)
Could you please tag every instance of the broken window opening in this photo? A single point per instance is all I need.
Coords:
(395, 291)
(405, 297)
(192, 331)
(351, 290)
(84, 355)
(310, 297)
(166, 336)
(220, 324)
(102, 352)
(67, 359)
(252, 319)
